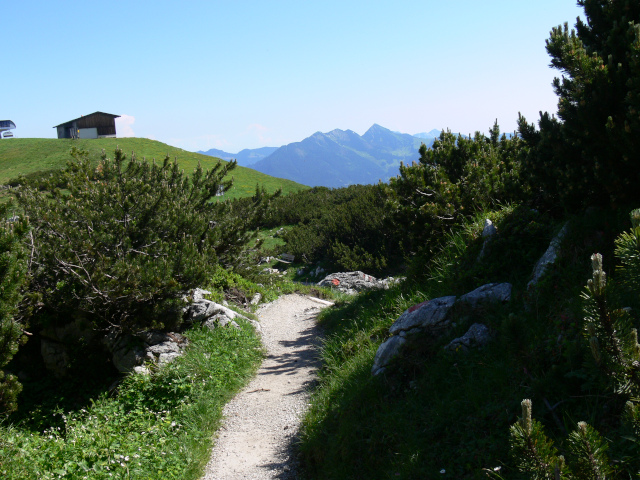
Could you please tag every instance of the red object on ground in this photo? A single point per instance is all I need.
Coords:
(335, 281)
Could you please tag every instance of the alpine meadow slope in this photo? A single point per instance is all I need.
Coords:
(26, 156)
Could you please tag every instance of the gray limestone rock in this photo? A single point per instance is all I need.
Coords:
(256, 299)
(387, 351)
(219, 321)
(256, 325)
(163, 348)
(489, 229)
(430, 314)
(154, 337)
(165, 352)
(491, 292)
(199, 293)
(130, 352)
(127, 352)
(204, 309)
(431, 317)
(488, 233)
(354, 282)
(549, 257)
(478, 335)
(349, 282)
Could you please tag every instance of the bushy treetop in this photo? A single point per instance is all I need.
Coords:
(121, 242)
(590, 154)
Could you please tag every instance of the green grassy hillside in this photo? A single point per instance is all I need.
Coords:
(22, 156)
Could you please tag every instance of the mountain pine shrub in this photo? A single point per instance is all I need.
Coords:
(120, 245)
(13, 265)
(455, 178)
(346, 227)
(588, 156)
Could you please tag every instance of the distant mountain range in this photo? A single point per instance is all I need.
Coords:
(245, 158)
(337, 158)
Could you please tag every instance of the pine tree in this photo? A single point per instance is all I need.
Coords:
(12, 273)
(590, 153)
(456, 177)
(125, 240)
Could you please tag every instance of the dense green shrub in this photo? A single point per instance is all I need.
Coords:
(347, 229)
(456, 177)
(12, 272)
(124, 240)
(588, 156)
(302, 206)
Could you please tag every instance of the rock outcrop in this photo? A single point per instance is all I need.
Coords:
(354, 282)
(130, 352)
(432, 317)
(549, 257)
(212, 314)
(488, 232)
(478, 335)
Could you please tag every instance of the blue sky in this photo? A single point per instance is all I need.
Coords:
(247, 74)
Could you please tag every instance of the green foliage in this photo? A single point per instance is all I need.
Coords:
(345, 228)
(628, 254)
(614, 346)
(12, 273)
(463, 260)
(613, 341)
(451, 407)
(455, 178)
(534, 451)
(156, 426)
(538, 458)
(125, 239)
(588, 155)
(234, 287)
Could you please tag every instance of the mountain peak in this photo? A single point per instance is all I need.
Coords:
(342, 157)
(377, 128)
(435, 133)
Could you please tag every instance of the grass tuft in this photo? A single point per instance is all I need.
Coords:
(156, 426)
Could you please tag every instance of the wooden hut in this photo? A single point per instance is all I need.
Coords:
(94, 125)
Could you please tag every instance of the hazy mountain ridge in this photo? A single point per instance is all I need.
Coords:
(245, 158)
(342, 157)
(337, 158)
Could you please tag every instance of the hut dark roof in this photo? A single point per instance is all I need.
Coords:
(90, 115)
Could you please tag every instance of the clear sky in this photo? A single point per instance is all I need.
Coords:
(240, 74)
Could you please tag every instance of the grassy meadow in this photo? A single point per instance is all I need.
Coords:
(23, 156)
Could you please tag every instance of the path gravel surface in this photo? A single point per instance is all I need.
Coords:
(261, 423)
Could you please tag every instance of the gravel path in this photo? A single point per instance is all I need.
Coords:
(259, 431)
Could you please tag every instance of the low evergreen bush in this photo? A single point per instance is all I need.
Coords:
(123, 241)
(454, 179)
(13, 266)
(345, 228)
(588, 154)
